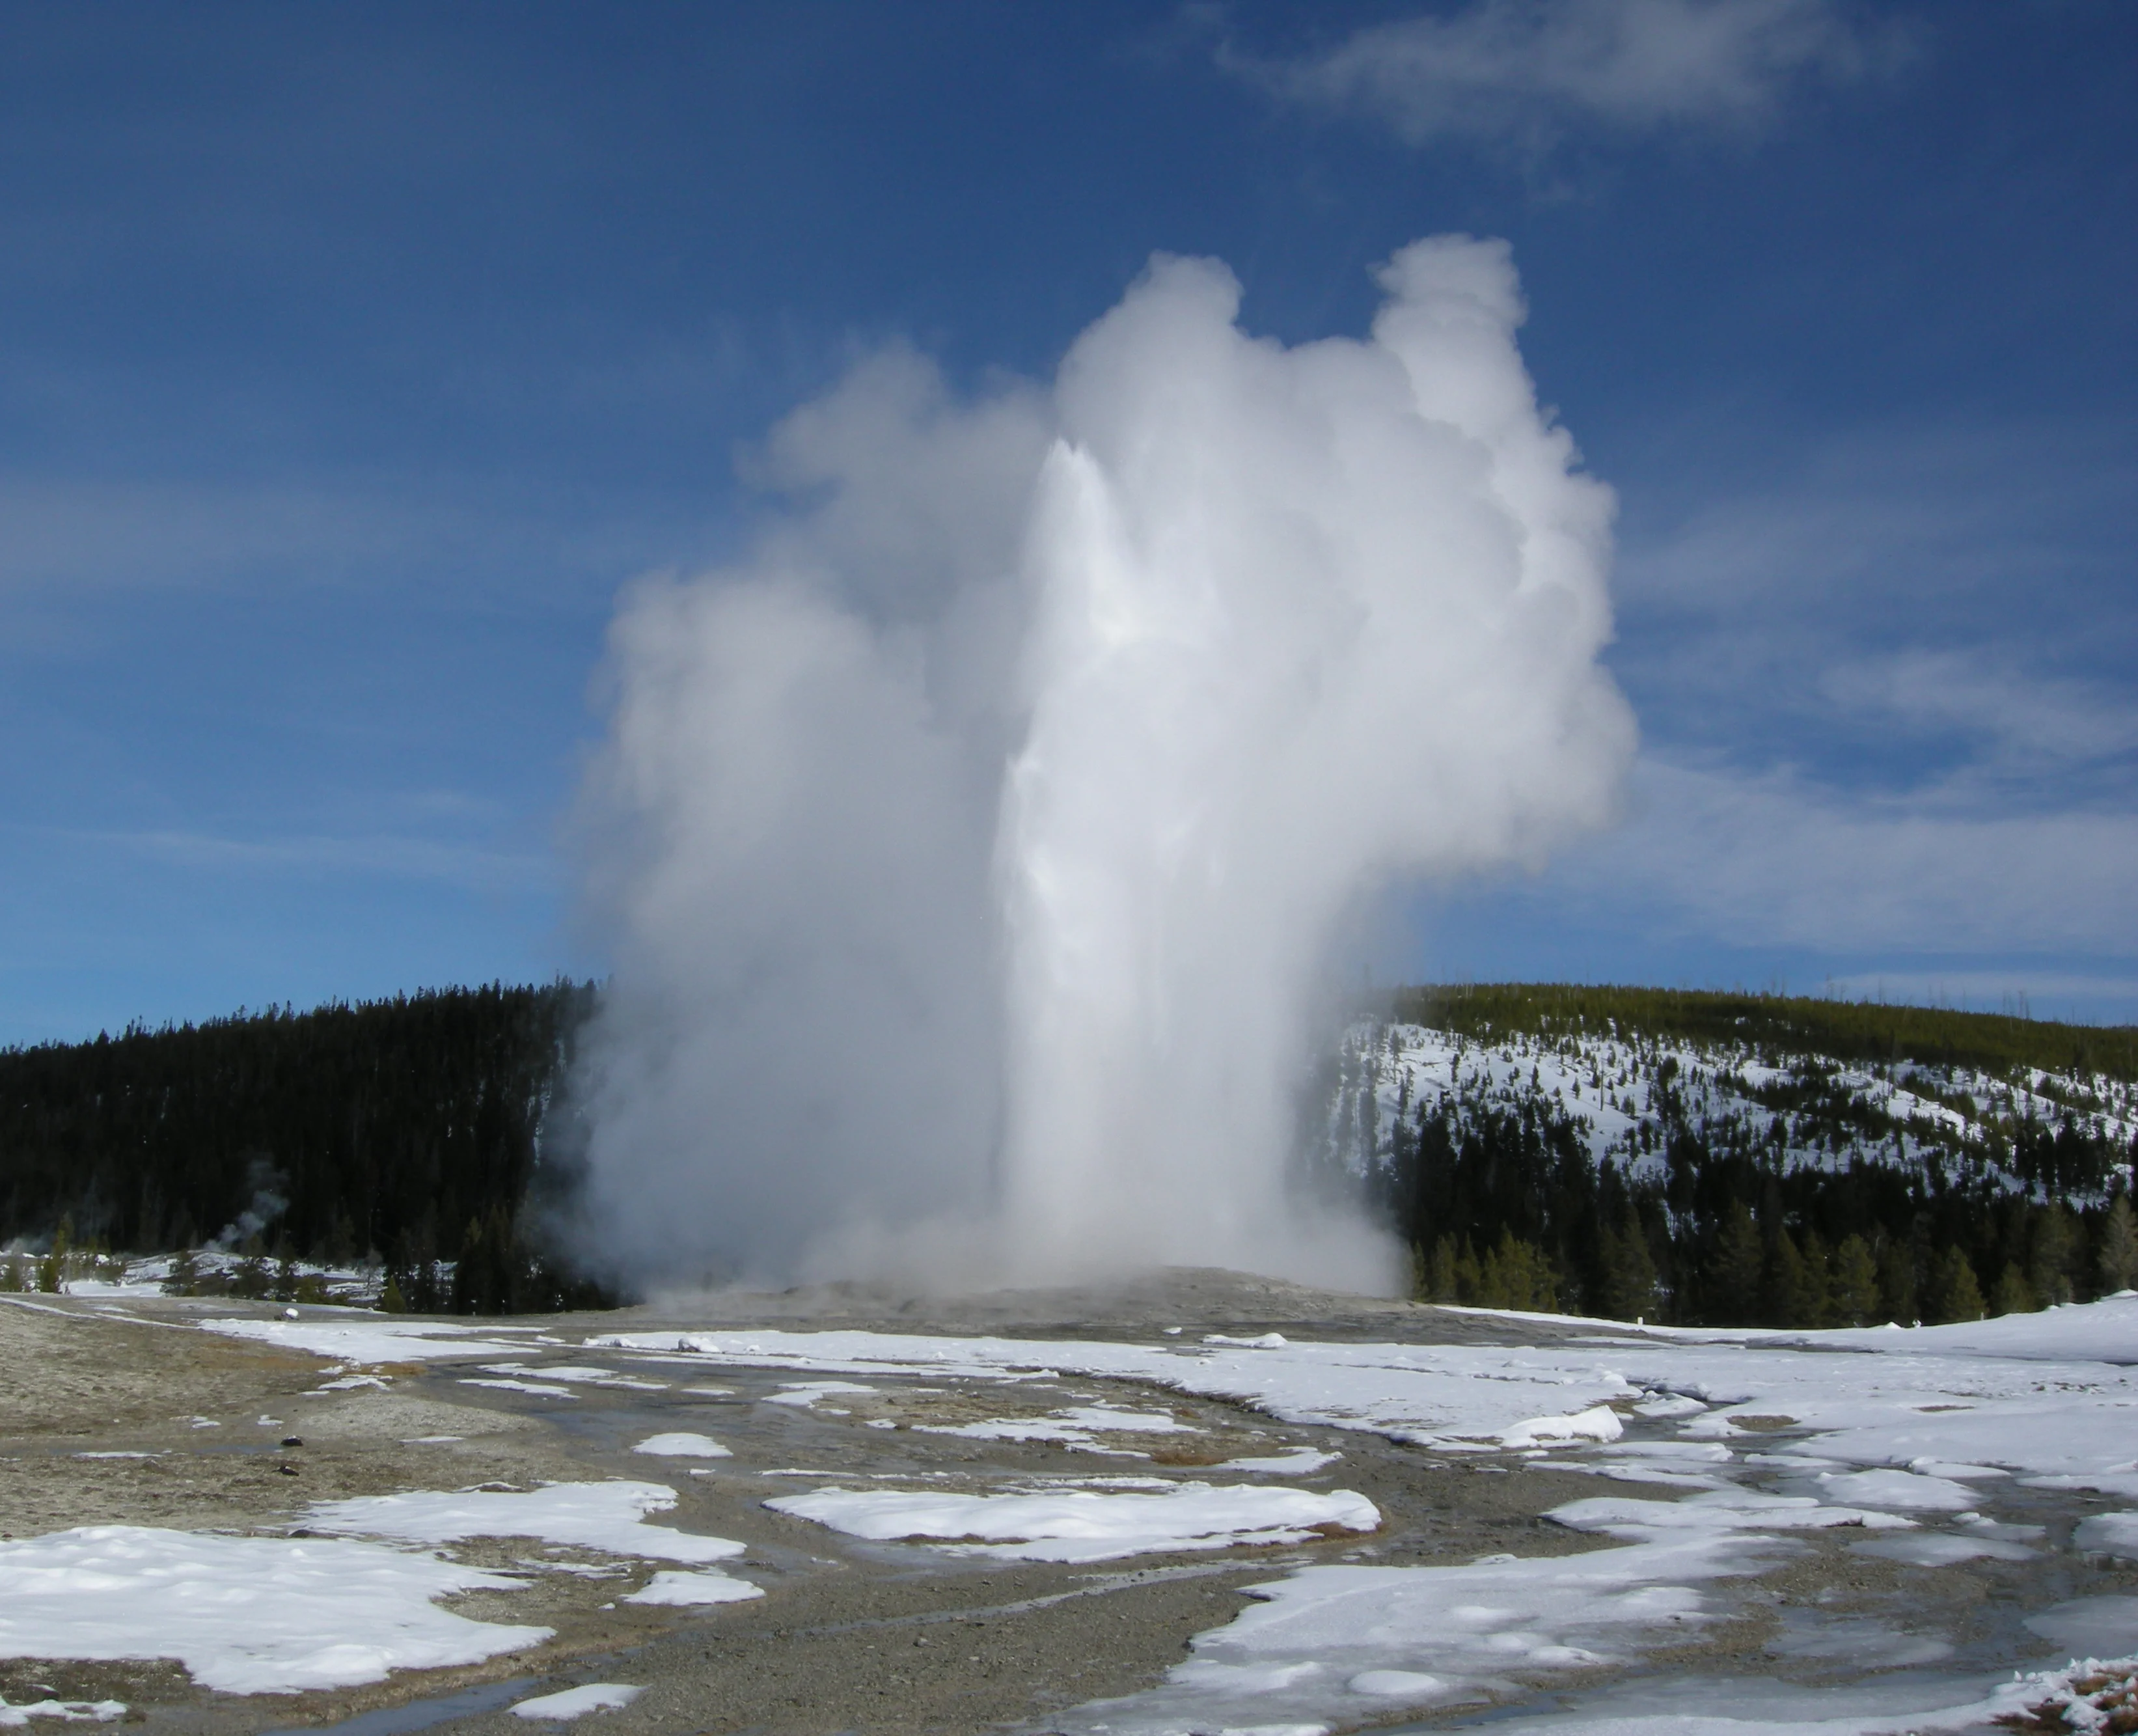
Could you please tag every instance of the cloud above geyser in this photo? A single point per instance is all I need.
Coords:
(1526, 68)
(970, 854)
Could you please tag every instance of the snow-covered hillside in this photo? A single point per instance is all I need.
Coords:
(1627, 1096)
(1719, 1166)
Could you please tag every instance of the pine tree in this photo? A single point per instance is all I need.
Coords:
(1437, 1274)
(2051, 1245)
(1785, 1285)
(2012, 1295)
(1469, 1276)
(1896, 1282)
(1815, 1295)
(1855, 1292)
(1735, 1273)
(1516, 1275)
(1629, 1271)
(1954, 1294)
(2118, 1260)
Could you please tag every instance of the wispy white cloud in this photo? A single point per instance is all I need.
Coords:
(66, 537)
(1772, 859)
(2023, 733)
(1526, 69)
(377, 855)
(1882, 687)
(1891, 515)
(1931, 613)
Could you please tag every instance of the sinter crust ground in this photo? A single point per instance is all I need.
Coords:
(849, 1637)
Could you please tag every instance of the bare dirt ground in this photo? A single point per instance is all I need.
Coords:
(850, 1636)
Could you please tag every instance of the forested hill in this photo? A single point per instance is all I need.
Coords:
(385, 1129)
(1699, 1158)
(1741, 1160)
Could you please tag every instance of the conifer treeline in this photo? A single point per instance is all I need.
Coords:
(1504, 1206)
(1840, 1030)
(407, 1130)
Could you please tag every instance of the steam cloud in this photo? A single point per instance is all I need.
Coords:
(971, 856)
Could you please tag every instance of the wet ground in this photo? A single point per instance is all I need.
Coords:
(892, 1637)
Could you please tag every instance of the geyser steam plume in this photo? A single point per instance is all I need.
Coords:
(970, 855)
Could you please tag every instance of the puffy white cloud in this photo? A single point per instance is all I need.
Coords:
(1527, 68)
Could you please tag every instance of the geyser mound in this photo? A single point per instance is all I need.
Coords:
(971, 855)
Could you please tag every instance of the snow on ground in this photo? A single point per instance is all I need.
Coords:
(1299, 1462)
(2088, 1627)
(807, 1394)
(1348, 1641)
(682, 1446)
(610, 1516)
(1081, 1428)
(2048, 1394)
(1084, 1524)
(710, 1586)
(577, 1702)
(1715, 1510)
(2109, 1533)
(245, 1614)
(1899, 1435)
(1691, 1705)
(367, 1338)
(1939, 1549)
(577, 1376)
(68, 1711)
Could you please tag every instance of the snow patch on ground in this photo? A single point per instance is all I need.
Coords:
(1941, 1549)
(370, 1341)
(609, 1516)
(1087, 1524)
(682, 1445)
(577, 1702)
(577, 1376)
(1299, 1462)
(1328, 1638)
(1904, 1489)
(806, 1393)
(244, 1615)
(1081, 1428)
(710, 1586)
(68, 1711)
(2109, 1533)
(1718, 1510)
(1600, 1422)
(2089, 1627)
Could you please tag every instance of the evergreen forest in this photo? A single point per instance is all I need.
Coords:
(1737, 1160)
(408, 1133)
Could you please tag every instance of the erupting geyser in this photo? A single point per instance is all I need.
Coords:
(971, 855)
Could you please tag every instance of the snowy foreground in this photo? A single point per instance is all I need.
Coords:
(1901, 1439)
(1924, 1447)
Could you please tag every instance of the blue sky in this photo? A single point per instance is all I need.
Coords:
(352, 358)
